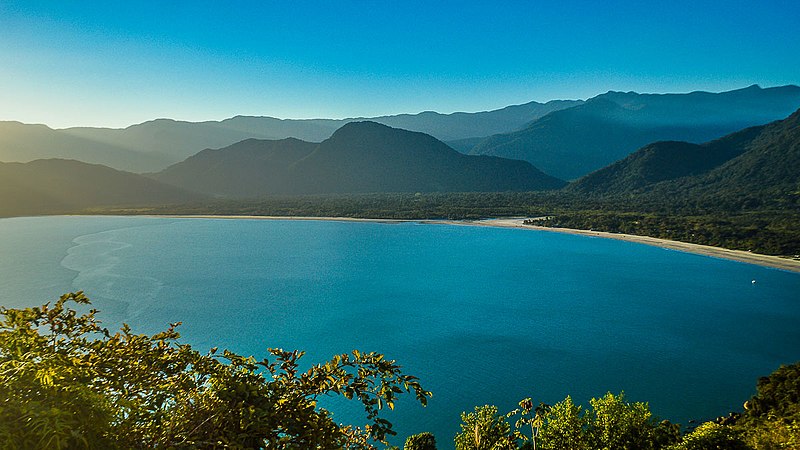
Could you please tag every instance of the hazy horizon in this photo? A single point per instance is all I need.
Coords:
(114, 64)
(220, 119)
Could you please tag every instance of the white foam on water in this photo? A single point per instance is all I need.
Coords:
(95, 258)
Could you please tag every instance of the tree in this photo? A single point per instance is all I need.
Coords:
(778, 394)
(618, 425)
(533, 417)
(421, 441)
(484, 429)
(66, 382)
(565, 426)
(772, 417)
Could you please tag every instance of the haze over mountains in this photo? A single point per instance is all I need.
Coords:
(58, 186)
(153, 145)
(24, 143)
(566, 139)
(573, 142)
(359, 157)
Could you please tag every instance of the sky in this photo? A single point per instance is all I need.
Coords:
(116, 63)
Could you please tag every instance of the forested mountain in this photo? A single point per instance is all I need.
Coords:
(574, 142)
(249, 168)
(153, 145)
(663, 161)
(57, 186)
(766, 175)
(359, 157)
(755, 166)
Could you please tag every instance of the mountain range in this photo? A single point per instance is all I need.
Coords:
(359, 157)
(563, 138)
(575, 141)
(153, 145)
(756, 165)
(751, 169)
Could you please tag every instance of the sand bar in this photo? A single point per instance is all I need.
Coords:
(777, 262)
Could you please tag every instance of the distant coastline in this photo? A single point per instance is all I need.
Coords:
(775, 262)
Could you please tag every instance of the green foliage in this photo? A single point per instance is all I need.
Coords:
(770, 434)
(711, 436)
(616, 424)
(484, 429)
(611, 423)
(772, 417)
(529, 417)
(565, 425)
(422, 441)
(778, 394)
(66, 382)
(769, 227)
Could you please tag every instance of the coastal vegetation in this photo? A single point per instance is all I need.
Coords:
(767, 229)
(67, 382)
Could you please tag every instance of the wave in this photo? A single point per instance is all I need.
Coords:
(95, 258)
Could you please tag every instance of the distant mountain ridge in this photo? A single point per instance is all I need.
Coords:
(24, 143)
(573, 142)
(359, 157)
(566, 139)
(58, 186)
(755, 166)
(153, 145)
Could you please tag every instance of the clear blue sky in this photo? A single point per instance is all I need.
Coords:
(115, 63)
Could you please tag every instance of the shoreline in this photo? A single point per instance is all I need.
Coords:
(775, 262)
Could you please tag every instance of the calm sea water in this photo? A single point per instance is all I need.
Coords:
(481, 315)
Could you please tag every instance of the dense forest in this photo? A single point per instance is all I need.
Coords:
(67, 382)
(762, 227)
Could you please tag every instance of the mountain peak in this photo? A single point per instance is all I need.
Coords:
(364, 125)
(362, 156)
(368, 129)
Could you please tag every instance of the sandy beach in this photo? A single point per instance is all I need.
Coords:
(776, 262)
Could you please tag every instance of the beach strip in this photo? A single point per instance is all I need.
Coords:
(776, 262)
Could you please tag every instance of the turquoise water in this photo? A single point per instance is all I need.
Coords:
(481, 315)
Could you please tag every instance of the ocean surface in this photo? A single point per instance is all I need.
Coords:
(482, 315)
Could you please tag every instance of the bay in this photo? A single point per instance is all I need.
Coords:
(482, 315)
